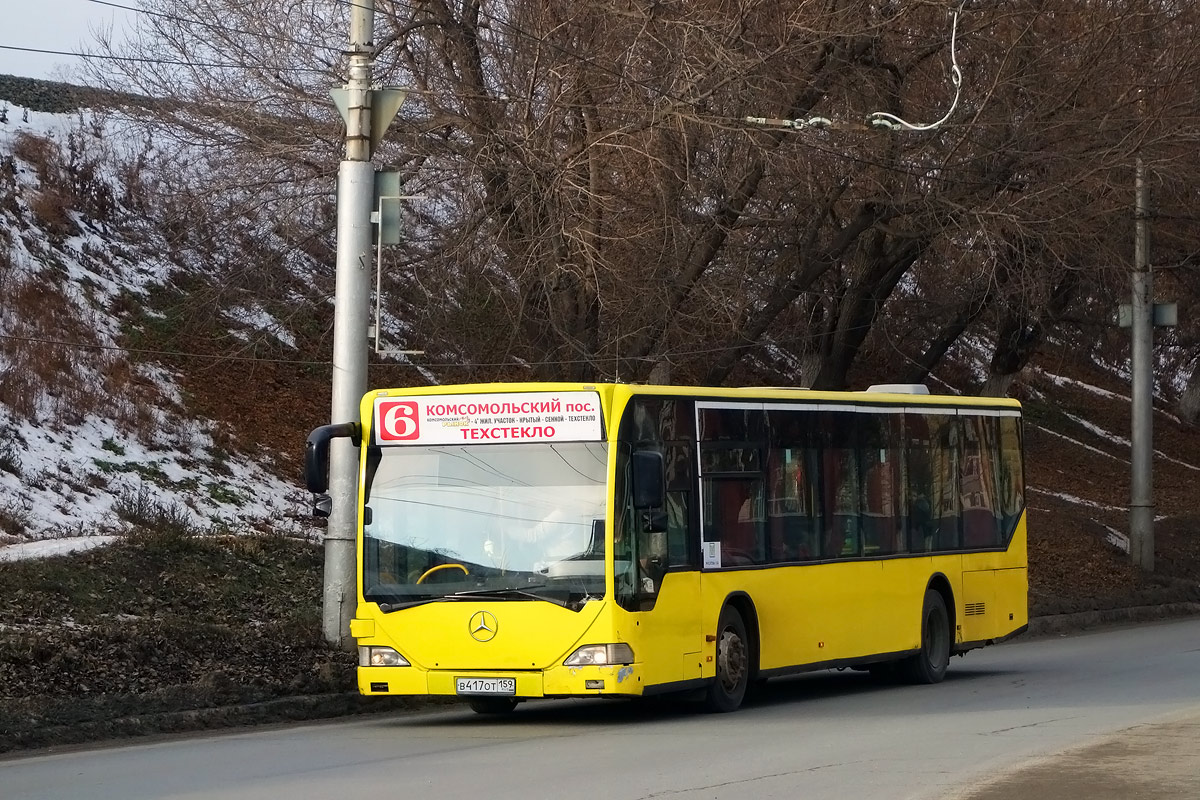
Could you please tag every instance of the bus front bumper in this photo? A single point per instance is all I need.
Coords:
(559, 681)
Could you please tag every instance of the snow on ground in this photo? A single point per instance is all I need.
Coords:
(1070, 498)
(51, 547)
(1078, 443)
(85, 478)
(72, 469)
(1060, 380)
(1109, 436)
(256, 318)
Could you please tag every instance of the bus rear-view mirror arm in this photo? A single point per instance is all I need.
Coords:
(654, 521)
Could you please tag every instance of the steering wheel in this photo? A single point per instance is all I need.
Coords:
(440, 567)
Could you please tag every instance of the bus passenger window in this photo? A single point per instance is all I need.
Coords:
(791, 506)
(841, 486)
(978, 487)
(733, 516)
(919, 466)
(882, 499)
(945, 468)
(1011, 478)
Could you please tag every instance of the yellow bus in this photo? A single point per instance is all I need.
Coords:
(521, 541)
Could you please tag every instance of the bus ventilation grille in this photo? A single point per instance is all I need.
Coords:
(975, 609)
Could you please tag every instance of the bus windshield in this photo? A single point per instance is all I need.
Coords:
(495, 521)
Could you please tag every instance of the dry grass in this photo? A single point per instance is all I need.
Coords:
(51, 208)
(58, 369)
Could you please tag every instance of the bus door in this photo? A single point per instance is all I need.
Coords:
(657, 580)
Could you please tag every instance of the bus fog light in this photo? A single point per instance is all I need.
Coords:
(600, 655)
(380, 657)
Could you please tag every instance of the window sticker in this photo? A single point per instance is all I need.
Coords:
(712, 555)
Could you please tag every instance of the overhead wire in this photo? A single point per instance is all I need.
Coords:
(215, 25)
(149, 60)
(893, 122)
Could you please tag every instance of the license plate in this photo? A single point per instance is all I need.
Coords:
(485, 686)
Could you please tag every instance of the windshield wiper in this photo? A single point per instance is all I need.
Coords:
(389, 607)
(501, 594)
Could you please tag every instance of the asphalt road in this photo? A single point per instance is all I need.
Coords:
(825, 735)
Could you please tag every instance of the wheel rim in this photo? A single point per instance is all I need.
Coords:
(731, 660)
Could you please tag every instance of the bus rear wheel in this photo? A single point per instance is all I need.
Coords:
(929, 665)
(728, 688)
(492, 705)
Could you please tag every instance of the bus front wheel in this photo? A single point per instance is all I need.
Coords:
(728, 688)
(929, 665)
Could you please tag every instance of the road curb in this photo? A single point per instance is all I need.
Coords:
(1058, 624)
(42, 733)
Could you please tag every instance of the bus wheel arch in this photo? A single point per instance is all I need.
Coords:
(941, 584)
(736, 653)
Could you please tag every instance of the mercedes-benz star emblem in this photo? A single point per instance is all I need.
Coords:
(482, 626)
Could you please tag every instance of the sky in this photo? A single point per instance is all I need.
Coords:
(61, 25)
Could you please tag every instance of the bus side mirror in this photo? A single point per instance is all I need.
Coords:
(649, 480)
(322, 505)
(316, 455)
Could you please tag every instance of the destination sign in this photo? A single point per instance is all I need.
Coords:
(489, 418)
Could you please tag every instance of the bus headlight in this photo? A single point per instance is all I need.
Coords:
(380, 657)
(600, 655)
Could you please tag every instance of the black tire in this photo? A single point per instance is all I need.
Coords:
(929, 665)
(728, 688)
(756, 692)
(492, 705)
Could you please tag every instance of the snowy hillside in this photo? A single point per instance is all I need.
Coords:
(93, 437)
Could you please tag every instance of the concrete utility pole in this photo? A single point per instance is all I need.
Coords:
(1141, 501)
(351, 310)
(367, 111)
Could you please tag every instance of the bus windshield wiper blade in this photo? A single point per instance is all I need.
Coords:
(389, 607)
(500, 594)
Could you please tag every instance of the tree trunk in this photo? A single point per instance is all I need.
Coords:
(1189, 401)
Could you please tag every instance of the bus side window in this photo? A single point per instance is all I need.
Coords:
(791, 506)
(1011, 477)
(947, 481)
(681, 469)
(841, 486)
(668, 424)
(918, 460)
(980, 450)
(678, 529)
(734, 517)
(882, 484)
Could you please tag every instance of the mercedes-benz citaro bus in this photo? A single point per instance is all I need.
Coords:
(520, 541)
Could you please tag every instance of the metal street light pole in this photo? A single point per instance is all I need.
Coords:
(1141, 501)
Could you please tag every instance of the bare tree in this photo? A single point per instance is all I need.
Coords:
(596, 206)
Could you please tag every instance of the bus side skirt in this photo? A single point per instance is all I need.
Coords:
(677, 686)
(837, 663)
